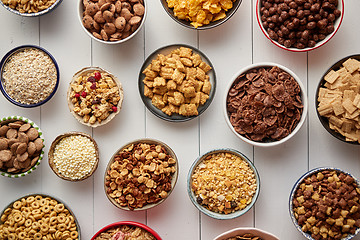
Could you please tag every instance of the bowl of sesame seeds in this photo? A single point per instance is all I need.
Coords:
(73, 156)
(29, 76)
(223, 184)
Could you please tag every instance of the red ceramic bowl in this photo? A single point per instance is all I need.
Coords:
(129, 223)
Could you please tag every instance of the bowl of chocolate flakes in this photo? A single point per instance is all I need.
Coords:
(265, 104)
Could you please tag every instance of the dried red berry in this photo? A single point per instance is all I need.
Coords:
(83, 94)
(91, 79)
(114, 108)
(97, 75)
(77, 95)
(93, 86)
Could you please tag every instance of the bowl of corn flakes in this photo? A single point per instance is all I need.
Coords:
(338, 100)
(177, 82)
(30, 8)
(201, 15)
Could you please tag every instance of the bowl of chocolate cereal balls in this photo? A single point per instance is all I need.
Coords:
(30, 8)
(299, 25)
(265, 104)
(324, 204)
(223, 184)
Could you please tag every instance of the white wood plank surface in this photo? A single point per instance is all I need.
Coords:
(231, 46)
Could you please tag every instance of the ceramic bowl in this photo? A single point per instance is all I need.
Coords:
(300, 181)
(243, 230)
(267, 143)
(146, 206)
(5, 60)
(229, 14)
(324, 120)
(11, 119)
(204, 210)
(337, 24)
(40, 13)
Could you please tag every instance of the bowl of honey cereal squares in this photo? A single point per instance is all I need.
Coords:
(338, 100)
(112, 22)
(94, 96)
(177, 83)
(141, 175)
(201, 15)
(265, 104)
(38, 216)
(223, 184)
(299, 25)
(73, 156)
(126, 230)
(21, 146)
(29, 76)
(246, 233)
(324, 204)
(30, 8)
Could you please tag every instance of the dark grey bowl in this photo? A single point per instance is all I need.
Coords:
(187, 24)
(49, 9)
(323, 120)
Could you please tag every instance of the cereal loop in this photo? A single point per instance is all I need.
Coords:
(37, 236)
(35, 205)
(17, 205)
(30, 199)
(59, 207)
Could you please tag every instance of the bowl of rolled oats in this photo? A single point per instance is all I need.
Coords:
(29, 76)
(141, 175)
(338, 100)
(201, 15)
(73, 156)
(246, 233)
(126, 230)
(31, 8)
(21, 146)
(324, 204)
(38, 216)
(177, 82)
(265, 104)
(94, 96)
(223, 184)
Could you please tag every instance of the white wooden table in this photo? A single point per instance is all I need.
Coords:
(231, 46)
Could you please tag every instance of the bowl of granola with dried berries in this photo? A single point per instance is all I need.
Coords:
(94, 96)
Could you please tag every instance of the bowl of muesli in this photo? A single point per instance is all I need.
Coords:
(126, 230)
(29, 76)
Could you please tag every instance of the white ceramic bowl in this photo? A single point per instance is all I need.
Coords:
(239, 231)
(303, 97)
(80, 17)
(337, 24)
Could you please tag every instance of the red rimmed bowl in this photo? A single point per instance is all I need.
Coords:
(128, 223)
(275, 40)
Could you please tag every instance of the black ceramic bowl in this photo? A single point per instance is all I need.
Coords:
(45, 11)
(324, 120)
(6, 58)
(229, 14)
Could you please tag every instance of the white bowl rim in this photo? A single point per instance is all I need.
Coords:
(110, 42)
(240, 230)
(303, 97)
(317, 45)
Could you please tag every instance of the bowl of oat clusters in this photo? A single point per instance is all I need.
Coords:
(141, 175)
(29, 76)
(223, 184)
(94, 96)
(126, 230)
(246, 233)
(265, 104)
(324, 204)
(177, 82)
(338, 100)
(201, 15)
(31, 8)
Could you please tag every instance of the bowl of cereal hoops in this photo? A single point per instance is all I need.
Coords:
(141, 175)
(29, 76)
(94, 96)
(126, 230)
(30, 8)
(201, 15)
(299, 26)
(38, 216)
(223, 184)
(21, 146)
(177, 83)
(246, 233)
(265, 104)
(324, 204)
(338, 100)
(73, 156)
